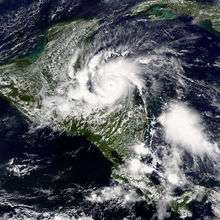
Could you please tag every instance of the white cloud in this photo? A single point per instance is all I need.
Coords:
(97, 85)
(113, 193)
(137, 168)
(106, 194)
(183, 128)
(140, 149)
(64, 217)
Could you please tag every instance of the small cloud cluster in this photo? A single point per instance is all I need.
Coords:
(183, 128)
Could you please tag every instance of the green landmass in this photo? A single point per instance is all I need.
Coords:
(205, 15)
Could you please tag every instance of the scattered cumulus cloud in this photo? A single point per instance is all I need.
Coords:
(113, 193)
(63, 217)
(140, 149)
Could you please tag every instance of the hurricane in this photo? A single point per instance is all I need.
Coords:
(109, 110)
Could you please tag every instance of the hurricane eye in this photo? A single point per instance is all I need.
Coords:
(90, 86)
